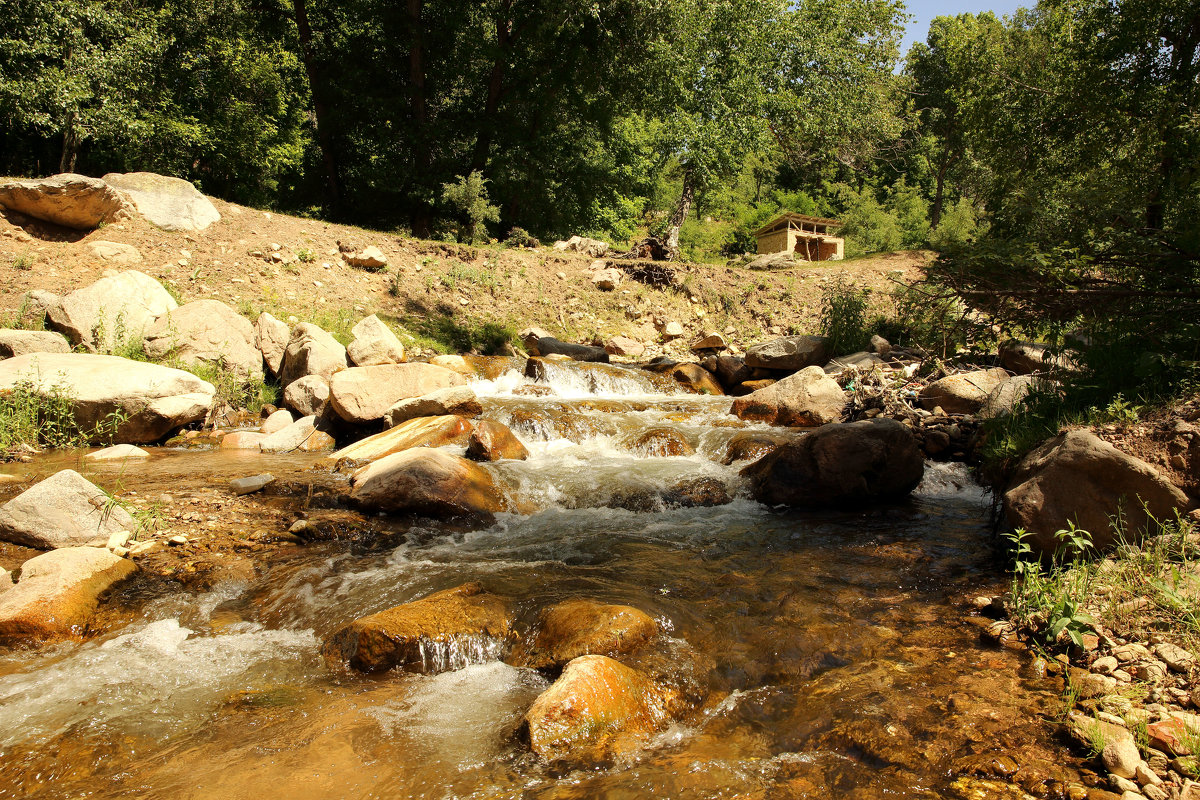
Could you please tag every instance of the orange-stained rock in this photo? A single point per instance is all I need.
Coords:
(697, 379)
(492, 441)
(242, 440)
(446, 630)
(419, 432)
(579, 627)
(426, 480)
(58, 593)
(806, 399)
(753, 445)
(659, 442)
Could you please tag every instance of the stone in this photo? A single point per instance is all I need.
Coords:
(849, 464)
(251, 484)
(1175, 657)
(696, 493)
(64, 510)
(806, 399)
(427, 481)
(277, 421)
(862, 361)
(581, 244)
(149, 400)
(307, 396)
(457, 400)
(608, 279)
(771, 261)
(243, 440)
(579, 627)
(1008, 394)
(672, 330)
(753, 445)
(58, 593)
(595, 704)
(454, 364)
(271, 337)
(311, 351)
(370, 258)
(789, 353)
(732, 371)
(116, 253)
(1025, 358)
(206, 332)
(712, 340)
(118, 452)
(659, 442)
(440, 431)
(1078, 477)
(70, 200)
(964, 393)
(36, 305)
(374, 343)
(172, 204)
(696, 378)
(548, 346)
(17, 343)
(1145, 776)
(361, 395)
(301, 436)
(1105, 665)
(624, 346)
(880, 345)
(114, 310)
(412, 636)
(529, 337)
(493, 441)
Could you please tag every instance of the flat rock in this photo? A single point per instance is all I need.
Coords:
(772, 261)
(116, 253)
(789, 353)
(307, 396)
(311, 351)
(964, 393)
(579, 627)
(271, 337)
(361, 395)
(433, 634)
(374, 343)
(427, 481)
(458, 400)
(206, 332)
(18, 343)
(448, 429)
(153, 400)
(624, 346)
(112, 311)
(172, 204)
(711, 340)
(58, 593)
(70, 200)
(493, 441)
(118, 452)
(806, 399)
(302, 436)
(243, 440)
(548, 346)
(251, 483)
(64, 510)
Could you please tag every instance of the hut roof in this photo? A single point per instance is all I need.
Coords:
(797, 218)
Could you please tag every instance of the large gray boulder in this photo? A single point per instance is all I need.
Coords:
(70, 200)
(112, 311)
(806, 399)
(844, 465)
(64, 510)
(1079, 478)
(374, 343)
(364, 394)
(311, 351)
(207, 332)
(1008, 394)
(964, 393)
(147, 401)
(770, 261)
(172, 204)
(58, 593)
(18, 343)
(307, 396)
(789, 353)
(271, 336)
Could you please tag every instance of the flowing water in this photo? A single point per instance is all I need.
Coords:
(824, 649)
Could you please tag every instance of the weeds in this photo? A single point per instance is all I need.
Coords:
(23, 261)
(844, 316)
(1051, 597)
(306, 256)
(31, 414)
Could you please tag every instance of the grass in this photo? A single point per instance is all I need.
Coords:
(33, 416)
(23, 261)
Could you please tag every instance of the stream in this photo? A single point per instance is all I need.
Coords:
(826, 649)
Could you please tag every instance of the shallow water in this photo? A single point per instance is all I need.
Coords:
(825, 646)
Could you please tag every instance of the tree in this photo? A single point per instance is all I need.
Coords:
(468, 196)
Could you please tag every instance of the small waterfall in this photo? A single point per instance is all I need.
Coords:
(457, 652)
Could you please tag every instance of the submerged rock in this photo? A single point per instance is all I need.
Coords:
(118, 452)
(493, 441)
(746, 445)
(579, 627)
(65, 510)
(447, 630)
(838, 465)
(660, 442)
(58, 593)
(805, 399)
(697, 493)
(427, 481)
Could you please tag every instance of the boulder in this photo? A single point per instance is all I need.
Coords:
(271, 337)
(845, 465)
(862, 361)
(277, 421)
(768, 261)
(732, 371)
(879, 345)
(427, 481)
(117, 253)
(64, 510)
(361, 395)
(307, 396)
(172, 204)
(492, 441)
(608, 279)
(35, 306)
(1078, 477)
(457, 400)
(672, 330)
(529, 337)
(118, 452)
(709, 341)
(548, 345)
(789, 353)
(454, 364)
(624, 346)
(697, 379)
(369, 258)
(70, 200)
(696, 493)
(147, 401)
(581, 244)
(374, 343)
(580, 627)
(206, 332)
(58, 593)
(660, 442)
(595, 708)
(412, 636)
(18, 343)
(753, 445)
(311, 351)
(244, 440)
(112, 311)
(1007, 394)
(805, 399)
(1026, 358)
(963, 393)
(440, 431)
(301, 436)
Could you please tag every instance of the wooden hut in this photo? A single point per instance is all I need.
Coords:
(810, 238)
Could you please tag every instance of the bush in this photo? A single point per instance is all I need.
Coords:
(959, 226)
(843, 316)
(468, 196)
(32, 417)
(519, 237)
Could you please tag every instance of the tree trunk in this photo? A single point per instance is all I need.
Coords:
(686, 196)
(422, 217)
(70, 147)
(487, 123)
(333, 189)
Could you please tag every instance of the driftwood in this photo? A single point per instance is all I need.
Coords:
(649, 273)
(650, 249)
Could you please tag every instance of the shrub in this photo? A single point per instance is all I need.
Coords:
(843, 316)
(468, 196)
(519, 237)
(35, 417)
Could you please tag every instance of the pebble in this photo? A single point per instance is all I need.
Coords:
(178, 539)
(1123, 785)
(1145, 776)
(1105, 665)
(252, 483)
(141, 548)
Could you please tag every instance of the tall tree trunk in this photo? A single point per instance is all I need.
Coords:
(70, 147)
(487, 123)
(422, 218)
(333, 187)
(686, 196)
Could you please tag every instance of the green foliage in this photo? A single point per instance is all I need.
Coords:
(1050, 596)
(959, 227)
(234, 388)
(305, 255)
(519, 237)
(468, 196)
(844, 316)
(36, 416)
(448, 334)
